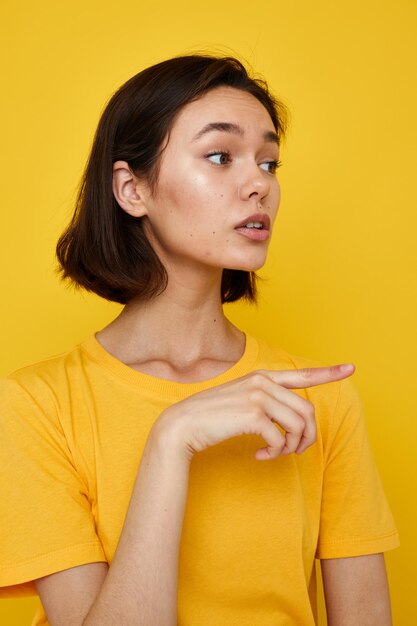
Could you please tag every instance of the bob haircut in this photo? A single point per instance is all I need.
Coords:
(104, 249)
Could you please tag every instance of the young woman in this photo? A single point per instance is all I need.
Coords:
(171, 468)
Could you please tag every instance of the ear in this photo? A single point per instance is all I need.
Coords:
(127, 190)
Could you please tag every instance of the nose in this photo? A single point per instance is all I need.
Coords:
(255, 183)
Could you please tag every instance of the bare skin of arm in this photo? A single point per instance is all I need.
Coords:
(140, 587)
(356, 591)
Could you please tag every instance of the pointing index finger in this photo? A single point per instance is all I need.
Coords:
(312, 376)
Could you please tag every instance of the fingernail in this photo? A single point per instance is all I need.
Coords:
(346, 367)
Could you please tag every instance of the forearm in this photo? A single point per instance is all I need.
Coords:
(141, 585)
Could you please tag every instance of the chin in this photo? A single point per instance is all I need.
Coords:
(248, 265)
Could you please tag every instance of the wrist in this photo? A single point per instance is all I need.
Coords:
(167, 438)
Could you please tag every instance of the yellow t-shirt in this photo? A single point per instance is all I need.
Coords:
(72, 431)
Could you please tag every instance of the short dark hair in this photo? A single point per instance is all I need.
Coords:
(104, 249)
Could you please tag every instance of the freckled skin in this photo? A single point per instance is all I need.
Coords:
(194, 193)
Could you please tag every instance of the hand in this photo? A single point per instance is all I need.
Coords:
(253, 404)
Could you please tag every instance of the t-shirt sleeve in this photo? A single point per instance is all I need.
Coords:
(355, 516)
(46, 521)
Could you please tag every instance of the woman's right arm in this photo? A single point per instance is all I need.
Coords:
(140, 587)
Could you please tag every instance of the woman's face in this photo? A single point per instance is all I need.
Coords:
(217, 194)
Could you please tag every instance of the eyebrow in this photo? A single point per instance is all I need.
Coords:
(235, 129)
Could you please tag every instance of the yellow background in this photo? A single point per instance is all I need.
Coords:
(341, 279)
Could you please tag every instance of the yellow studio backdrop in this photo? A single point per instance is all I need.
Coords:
(340, 283)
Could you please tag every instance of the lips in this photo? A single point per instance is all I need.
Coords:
(255, 227)
(257, 218)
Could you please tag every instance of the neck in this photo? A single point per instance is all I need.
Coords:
(181, 328)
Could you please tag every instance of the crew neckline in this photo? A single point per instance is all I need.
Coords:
(163, 385)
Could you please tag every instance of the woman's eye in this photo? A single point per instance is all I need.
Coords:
(219, 158)
(271, 166)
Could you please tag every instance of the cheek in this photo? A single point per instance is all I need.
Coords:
(191, 201)
(273, 204)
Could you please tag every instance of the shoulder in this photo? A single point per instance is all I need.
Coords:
(275, 357)
(38, 387)
(276, 354)
(42, 372)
